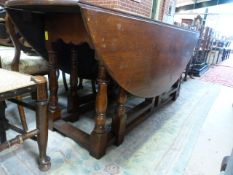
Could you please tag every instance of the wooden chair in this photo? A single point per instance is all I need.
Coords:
(13, 58)
(14, 84)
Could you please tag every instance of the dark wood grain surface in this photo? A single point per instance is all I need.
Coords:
(145, 57)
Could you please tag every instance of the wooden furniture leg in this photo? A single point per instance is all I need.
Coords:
(98, 137)
(93, 86)
(2, 122)
(73, 95)
(42, 123)
(22, 115)
(80, 84)
(186, 71)
(64, 81)
(157, 101)
(177, 92)
(54, 110)
(119, 120)
(152, 101)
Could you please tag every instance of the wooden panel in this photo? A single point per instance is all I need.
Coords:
(70, 28)
(145, 57)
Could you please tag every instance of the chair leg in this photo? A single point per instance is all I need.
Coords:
(2, 122)
(22, 115)
(42, 124)
(93, 86)
(64, 81)
(80, 85)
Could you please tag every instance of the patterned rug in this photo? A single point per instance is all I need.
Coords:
(161, 145)
(220, 74)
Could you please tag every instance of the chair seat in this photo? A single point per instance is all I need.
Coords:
(28, 64)
(10, 80)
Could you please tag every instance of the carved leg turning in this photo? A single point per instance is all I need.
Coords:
(2, 122)
(119, 120)
(73, 95)
(54, 110)
(42, 124)
(98, 138)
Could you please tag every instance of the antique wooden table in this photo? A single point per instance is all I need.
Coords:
(143, 56)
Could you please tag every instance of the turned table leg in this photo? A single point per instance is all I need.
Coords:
(73, 95)
(54, 110)
(119, 120)
(2, 122)
(42, 123)
(157, 101)
(98, 138)
(152, 102)
(177, 92)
